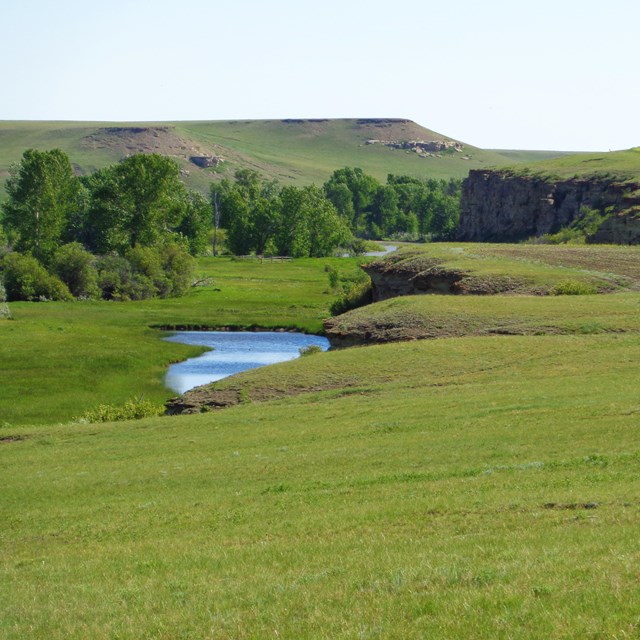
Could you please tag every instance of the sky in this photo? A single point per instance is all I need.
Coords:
(561, 75)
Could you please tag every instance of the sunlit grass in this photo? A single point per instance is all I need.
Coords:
(481, 488)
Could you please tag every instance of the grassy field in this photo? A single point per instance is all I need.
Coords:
(60, 359)
(474, 487)
(623, 164)
(477, 488)
(299, 152)
(532, 269)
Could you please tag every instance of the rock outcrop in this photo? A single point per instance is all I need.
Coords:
(408, 273)
(205, 162)
(500, 206)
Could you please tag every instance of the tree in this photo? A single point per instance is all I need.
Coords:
(362, 188)
(196, 222)
(43, 194)
(136, 202)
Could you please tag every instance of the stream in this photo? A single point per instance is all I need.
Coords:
(233, 352)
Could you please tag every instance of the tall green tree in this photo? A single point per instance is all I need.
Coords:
(137, 202)
(362, 188)
(43, 195)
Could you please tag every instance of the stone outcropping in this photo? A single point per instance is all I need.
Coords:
(499, 206)
(205, 162)
(408, 273)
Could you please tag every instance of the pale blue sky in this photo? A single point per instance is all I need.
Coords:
(561, 74)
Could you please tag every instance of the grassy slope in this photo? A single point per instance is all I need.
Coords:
(522, 269)
(60, 359)
(624, 164)
(536, 268)
(477, 488)
(290, 152)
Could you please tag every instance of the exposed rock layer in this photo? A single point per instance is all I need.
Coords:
(498, 206)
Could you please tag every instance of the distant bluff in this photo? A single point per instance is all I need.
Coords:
(507, 205)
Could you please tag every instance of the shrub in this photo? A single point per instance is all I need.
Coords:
(26, 279)
(75, 266)
(115, 277)
(178, 268)
(358, 295)
(147, 269)
(133, 409)
(310, 350)
(573, 288)
(333, 275)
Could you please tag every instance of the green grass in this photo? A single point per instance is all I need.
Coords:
(422, 317)
(477, 488)
(294, 152)
(529, 268)
(622, 164)
(466, 487)
(61, 359)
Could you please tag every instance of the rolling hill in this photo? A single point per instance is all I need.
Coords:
(291, 151)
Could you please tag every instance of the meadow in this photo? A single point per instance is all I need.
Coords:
(463, 487)
(60, 359)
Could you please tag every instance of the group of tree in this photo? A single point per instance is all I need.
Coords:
(128, 231)
(262, 217)
(404, 207)
(125, 232)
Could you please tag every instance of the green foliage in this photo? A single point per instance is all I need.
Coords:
(75, 266)
(310, 350)
(585, 225)
(405, 207)
(146, 272)
(195, 223)
(356, 295)
(333, 275)
(43, 194)
(26, 279)
(573, 288)
(262, 218)
(139, 201)
(134, 409)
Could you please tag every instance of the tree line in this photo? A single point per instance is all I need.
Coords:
(127, 231)
(130, 230)
(263, 217)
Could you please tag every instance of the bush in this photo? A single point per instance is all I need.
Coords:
(26, 279)
(134, 409)
(333, 275)
(573, 288)
(358, 295)
(147, 269)
(178, 267)
(310, 350)
(75, 266)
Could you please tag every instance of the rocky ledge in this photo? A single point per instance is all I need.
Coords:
(502, 206)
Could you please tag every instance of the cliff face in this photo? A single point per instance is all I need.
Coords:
(502, 207)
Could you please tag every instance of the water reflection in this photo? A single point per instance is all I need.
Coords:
(233, 352)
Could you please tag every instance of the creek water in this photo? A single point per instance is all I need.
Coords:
(233, 352)
(388, 248)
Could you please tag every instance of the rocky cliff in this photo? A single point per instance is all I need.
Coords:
(501, 206)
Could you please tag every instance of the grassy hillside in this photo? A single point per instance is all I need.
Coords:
(476, 488)
(61, 359)
(292, 151)
(624, 164)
